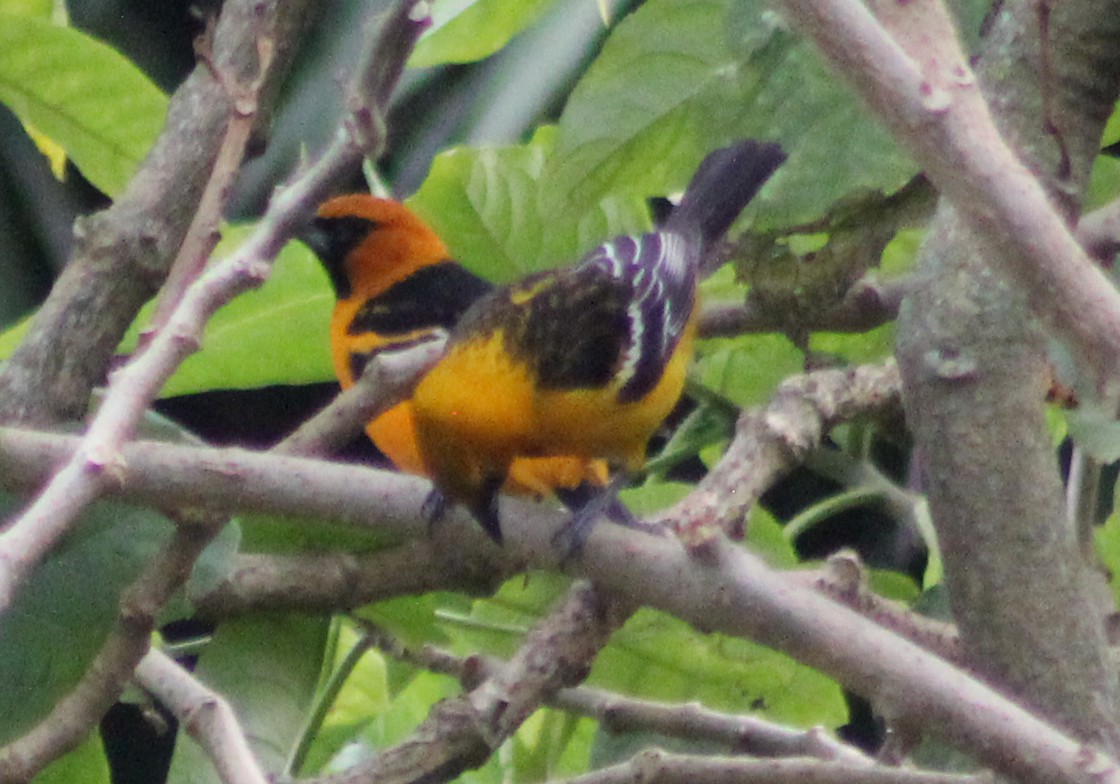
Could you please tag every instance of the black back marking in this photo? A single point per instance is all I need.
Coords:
(431, 297)
(576, 329)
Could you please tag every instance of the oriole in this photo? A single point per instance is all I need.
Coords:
(586, 360)
(395, 284)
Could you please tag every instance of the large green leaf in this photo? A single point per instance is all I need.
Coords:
(61, 617)
(488, 205)
(40, 8)
(679, 77)
(467, 31)
(656, 656)
(746, 370)
(660, 657)
(268, 668)
(82, 94)
(364, 696)
(276, 334)
(84, 765)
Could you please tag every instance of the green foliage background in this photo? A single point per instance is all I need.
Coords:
(672, 80)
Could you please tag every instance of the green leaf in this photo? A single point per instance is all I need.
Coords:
(363, 697)
(414, 620)
(412, 703)
(746, 370)
(84, 765)
(1111, 133)
(1096, 431)
(656, 656)
(268, 668)
(81, 93)
(653, 496)
(678, 78)
(61, 617)
(40, 8)
(893, 585)
(487, 205)
(498, 624)
(899, 255)
(1104, 182)
(550, 744)
(463, 32)
(12, 336)
(766, 537)
(856, 347)
(1107, 541)
(277, 334)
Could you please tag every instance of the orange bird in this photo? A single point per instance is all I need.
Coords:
(585, 361)
(396, 284)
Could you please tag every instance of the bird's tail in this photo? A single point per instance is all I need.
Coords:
(722, 186)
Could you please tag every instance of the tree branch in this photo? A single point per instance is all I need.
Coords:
(919, 83)
(379, 67)
(971, 356)
(204, 714)
(460, 734)
(772, 440)
(89, 472)
(868, 304)
(616, 713)
(662, 767)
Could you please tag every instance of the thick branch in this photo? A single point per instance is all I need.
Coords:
(971, 355)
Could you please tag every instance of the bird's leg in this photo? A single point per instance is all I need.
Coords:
(434, 508)
(485, 506)
(603, 501)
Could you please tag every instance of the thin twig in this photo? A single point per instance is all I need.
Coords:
(869, 303)
(385, 381)
(774, 439)
(203, 235)
(617, 713)
(661, 767)
(844, 579)
(205, 714)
